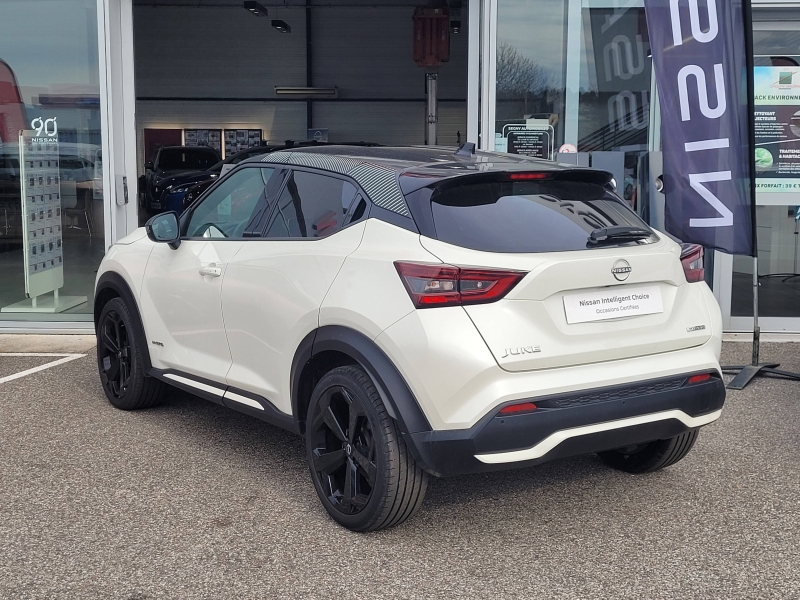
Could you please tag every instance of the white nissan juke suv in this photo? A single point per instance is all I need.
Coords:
(416, 312)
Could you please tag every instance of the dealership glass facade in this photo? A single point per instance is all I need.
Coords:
(590, 91)
(777, 60)
(51, 196)
(570, 80)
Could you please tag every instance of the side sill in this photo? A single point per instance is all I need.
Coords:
(224, 395)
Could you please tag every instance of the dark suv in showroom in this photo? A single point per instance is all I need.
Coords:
(169, 161)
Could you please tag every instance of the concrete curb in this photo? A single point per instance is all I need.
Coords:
(12, 342)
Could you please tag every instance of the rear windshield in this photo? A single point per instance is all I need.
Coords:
(186, 159)
(528, 216)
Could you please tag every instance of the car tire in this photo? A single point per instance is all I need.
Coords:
(119, 360)
(651, 456)
(362, 469)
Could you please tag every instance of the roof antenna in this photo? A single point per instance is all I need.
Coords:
(466, 149)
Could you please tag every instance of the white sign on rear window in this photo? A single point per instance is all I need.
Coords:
(613, 303)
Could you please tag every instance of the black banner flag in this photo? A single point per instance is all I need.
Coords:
(702, 66)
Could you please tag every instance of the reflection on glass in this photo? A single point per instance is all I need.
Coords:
(530, 64)
(599, 91)
(49, 84)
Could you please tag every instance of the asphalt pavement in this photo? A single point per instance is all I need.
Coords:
(192, 500)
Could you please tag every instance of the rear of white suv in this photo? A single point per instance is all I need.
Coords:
(486, 312)
(529, 340)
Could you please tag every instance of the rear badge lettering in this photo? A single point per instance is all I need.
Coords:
(696, 328)
(521, 350)
(155, 343)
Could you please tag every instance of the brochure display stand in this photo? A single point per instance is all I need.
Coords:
(42, 234)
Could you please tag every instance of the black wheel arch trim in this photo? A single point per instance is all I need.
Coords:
(397, 396)
(115, 282)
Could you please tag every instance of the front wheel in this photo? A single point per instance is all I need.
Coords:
(362, 469)
(119, 360)
(651, 456)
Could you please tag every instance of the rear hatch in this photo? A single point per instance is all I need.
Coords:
(600, 285)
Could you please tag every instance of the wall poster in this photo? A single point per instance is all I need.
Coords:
(777, 125)
(237, 140)
(203, 137)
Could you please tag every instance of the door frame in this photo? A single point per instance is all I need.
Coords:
(118, 118)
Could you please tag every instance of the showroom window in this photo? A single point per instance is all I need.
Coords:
(777, 79)
(311, 206)
(575, 77)
(51, 198)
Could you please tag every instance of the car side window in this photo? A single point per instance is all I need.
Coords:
(311, 206)
(233, 208)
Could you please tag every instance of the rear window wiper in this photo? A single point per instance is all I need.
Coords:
(609, 235)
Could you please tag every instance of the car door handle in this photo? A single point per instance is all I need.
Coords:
(211, 271)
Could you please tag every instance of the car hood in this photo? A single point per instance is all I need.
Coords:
(184, 178)
(169, 176)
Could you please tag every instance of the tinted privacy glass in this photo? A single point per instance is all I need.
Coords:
(311, 206)
(233, 208)
(185, 159)
(527, 216)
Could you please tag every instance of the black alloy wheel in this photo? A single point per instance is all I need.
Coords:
(114, 354)
(343, 450)
(119, 360)
(650, 456)
(363, 472)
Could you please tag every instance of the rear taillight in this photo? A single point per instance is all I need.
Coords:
(517, 409)
(446, 285)
(692, 259)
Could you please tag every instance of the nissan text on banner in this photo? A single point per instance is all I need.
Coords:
(700, 61)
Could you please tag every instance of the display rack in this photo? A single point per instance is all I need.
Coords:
(42, 240)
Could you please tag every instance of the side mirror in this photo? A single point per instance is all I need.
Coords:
(149, 166)
(164, 229)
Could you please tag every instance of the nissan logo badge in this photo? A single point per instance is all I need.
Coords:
(621, 270)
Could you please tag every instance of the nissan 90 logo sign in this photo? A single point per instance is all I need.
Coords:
(621, 270)
(47, 126)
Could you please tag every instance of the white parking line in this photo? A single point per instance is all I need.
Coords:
(65, 358)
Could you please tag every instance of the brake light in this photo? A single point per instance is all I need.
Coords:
(699, 378)
(446, 285)
(517, 409)
(528, 176)
(692, 259)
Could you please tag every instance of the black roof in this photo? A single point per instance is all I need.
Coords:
(434, 160)
(388, 173)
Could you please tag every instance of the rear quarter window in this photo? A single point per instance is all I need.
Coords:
(527, 216)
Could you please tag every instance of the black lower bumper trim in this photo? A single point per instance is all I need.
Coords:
(452, 452)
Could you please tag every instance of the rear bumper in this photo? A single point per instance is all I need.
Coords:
(572, 424)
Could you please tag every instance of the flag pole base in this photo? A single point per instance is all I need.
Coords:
(747, 373)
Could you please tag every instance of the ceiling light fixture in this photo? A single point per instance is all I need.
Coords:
(331, 92)
(281, 26)
(255, 8)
